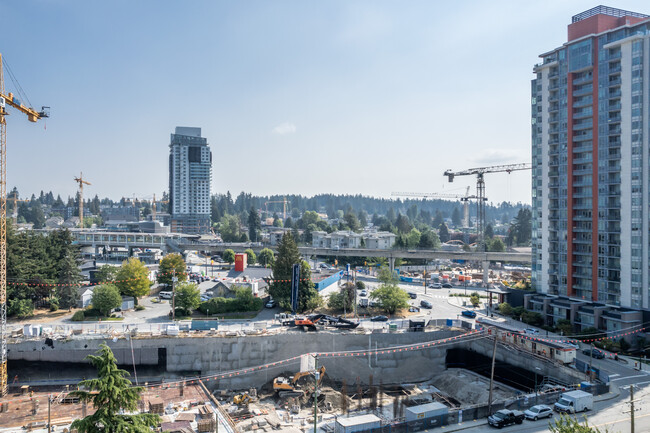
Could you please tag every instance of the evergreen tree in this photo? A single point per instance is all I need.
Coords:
(443, 233)
(456, 217)
(113, 396)
(254, 225)
(280, 288)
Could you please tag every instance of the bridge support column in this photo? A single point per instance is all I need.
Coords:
(486, 271)
(391, 264)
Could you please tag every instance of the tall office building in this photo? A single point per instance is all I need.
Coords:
(190, 176)
(591, 167)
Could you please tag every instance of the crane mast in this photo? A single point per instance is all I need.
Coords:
(480, 190)
(32, 116)
(80, 180)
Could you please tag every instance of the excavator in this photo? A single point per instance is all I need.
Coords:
(294, 386)
(242, 399)
(311, 322)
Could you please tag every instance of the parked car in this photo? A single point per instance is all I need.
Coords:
(414, 310)
(426, 304)
(531, 331)
(447, 286)
(271, 303)
(468, 313)
(436, 286)
(595, 353)
(538, 411)
(413, 295)
(205, 298)
(165, 295)
(505, 417)
(379, 319)
(364, 292)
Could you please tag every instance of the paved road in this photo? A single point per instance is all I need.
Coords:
(605, 415)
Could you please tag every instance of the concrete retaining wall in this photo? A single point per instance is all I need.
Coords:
(209, 355)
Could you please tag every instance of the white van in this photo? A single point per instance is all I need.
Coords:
(165, 295)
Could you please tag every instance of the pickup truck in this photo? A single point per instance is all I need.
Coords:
(505, 417)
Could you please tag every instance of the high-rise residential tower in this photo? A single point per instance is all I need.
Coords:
(591, 172)
(190, 176)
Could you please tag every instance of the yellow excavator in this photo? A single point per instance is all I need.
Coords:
(294, 386)
(242, 399)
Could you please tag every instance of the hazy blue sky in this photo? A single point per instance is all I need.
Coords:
(295, 96)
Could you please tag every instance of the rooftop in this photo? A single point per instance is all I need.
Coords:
(606, 10)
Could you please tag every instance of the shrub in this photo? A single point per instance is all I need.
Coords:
(54, 304)
(505, 309)
(361, 285)
(139, 307)
(243, 301)
(21, 308)
(78, 316)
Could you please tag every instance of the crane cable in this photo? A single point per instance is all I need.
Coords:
(14, 80)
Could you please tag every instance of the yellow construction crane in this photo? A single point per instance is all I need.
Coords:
(14, 214)
(80, 180)
(480, 189)
(284, 202)
(32, 115)
(153, 207)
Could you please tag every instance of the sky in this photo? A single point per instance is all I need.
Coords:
(294, 97)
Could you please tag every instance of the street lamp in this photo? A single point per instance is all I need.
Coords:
(536, 370)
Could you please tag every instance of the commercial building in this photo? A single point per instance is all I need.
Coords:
(190, 177)
(591, 178)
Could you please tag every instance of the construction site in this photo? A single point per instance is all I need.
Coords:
(277, 382)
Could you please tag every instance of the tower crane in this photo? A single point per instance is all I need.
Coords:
(80, 180)
(284, 201)
(33, 116)
(463, 198)
(153, 207)
(480, 189)
(15, 199)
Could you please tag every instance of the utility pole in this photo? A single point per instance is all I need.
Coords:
(174, 279)
(49, 413)
(494, 356)
(631, 408)
(317, 377)
(631, 403)
(591, 357)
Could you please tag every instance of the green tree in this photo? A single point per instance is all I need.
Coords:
(438, 219)
(187, 297)
(113, 396)
(20, 308)
(474, 299)
(229, 228)
(280, 288)
(391, 297)
(352, 221)
(489, 231)
(386, 276)
(105, 298)
(403, 224)
(252, 258)
(456, 217)
(254, 225)
(429, 240)
(413, 238)
(69, 278)
(344, 299)
(565, 326)
(522, 226)
(266, 257)
(495, 245)
(505, 309)
(106, 273)
(170, 265)
(568, 424)
(228, 256)
(443, 233)
(133, 279)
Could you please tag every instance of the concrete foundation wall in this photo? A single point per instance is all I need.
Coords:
(207, 355)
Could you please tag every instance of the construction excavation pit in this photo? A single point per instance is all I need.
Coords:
(287, 402)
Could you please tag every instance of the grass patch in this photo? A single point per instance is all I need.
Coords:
(461, 295)
(103, 319)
